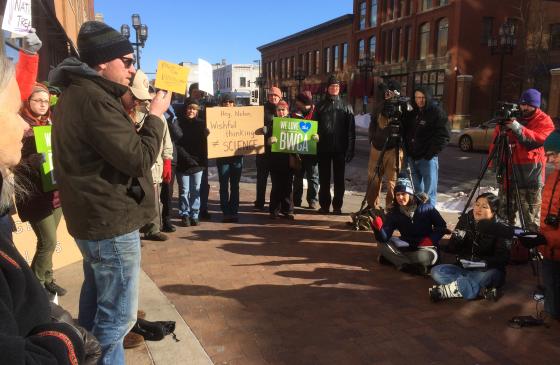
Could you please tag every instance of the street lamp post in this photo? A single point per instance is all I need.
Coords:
(299, 76)
(141, 31)
(503, 45)
(365, 65)
(260, 82)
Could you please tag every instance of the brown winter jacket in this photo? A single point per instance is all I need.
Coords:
(102, 164)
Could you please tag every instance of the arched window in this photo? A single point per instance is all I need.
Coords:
(362, 13)
(373, 14)
(361, 49)
(372, 45)
(424, 41)
(442, 36)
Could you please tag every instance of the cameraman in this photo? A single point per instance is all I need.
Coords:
(527, 136)
(426, 134)
(381, 129)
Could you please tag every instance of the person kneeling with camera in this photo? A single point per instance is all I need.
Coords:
(481, 256)
(421, 228)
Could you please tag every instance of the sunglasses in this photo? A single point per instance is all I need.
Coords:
(128, 62)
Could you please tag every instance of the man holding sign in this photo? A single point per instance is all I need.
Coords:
(103, 173)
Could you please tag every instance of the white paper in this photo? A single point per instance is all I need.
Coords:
(467, 264)
(205, 79)
(17, 17)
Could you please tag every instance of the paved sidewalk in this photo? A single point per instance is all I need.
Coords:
(310, 291)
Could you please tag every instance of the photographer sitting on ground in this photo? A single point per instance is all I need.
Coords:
(481, 257)
(421, 228)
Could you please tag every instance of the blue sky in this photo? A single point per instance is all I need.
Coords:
(184, 30)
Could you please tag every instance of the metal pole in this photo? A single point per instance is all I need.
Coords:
(137, 49)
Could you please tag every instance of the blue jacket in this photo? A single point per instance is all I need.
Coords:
(425, 222)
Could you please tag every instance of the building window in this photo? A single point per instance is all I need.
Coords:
(442, 36)
(306, 62)
(407, 43)
(372, 46)
(432, 80)
(424, 41)
(275, 69)
(408, 7)
(300, 61)
(362, 13)
(425, 4)
(373, 14)
(487, 28)
(361, 49)
(382, 46)
(555, 36)
(443, 2)
(344, 54)
(288, 67)
(389, 46)
(317, 62)
(327, 59)
(336, 66)
(311, 66)
(400, 10)
(390, 9)
(397, 44)
(242, 82)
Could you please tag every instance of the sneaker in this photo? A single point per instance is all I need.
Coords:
(204, 215)
(168, 227)
(54, 288)
(490, 294)
(158, 236)
(132, 340)
(289, 216)
(195, 222)
(435, 294)
(186, 221)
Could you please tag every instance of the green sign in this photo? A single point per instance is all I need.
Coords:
(43, 144)
(294, 136)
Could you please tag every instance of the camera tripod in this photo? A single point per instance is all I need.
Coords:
(393, 138)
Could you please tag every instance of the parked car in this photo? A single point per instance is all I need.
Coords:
(477, 138)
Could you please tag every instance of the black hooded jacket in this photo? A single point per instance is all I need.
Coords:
(336, 127)
(426, 130)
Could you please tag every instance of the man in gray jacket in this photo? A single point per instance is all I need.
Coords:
(103, 173)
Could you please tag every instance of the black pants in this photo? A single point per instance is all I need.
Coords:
(310, 171)
(166, 196)
(551, 281)
(263, 170)
(338, 165)
(281, 193)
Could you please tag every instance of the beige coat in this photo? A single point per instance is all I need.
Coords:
(165, 151)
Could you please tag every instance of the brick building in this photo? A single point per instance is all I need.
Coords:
(317, 51)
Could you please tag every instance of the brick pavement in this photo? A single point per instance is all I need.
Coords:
(310, 292)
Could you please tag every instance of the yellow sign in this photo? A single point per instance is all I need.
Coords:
(65, 253)
(172, 77)
(233, 131)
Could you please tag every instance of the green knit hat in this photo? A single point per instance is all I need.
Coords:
(99, 43)
(552, 142)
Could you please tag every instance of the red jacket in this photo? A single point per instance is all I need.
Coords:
(551, 250)
(528, 152)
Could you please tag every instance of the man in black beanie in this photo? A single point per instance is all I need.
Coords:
(103, 173)
(337, 137)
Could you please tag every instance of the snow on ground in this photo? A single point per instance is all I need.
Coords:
(456, 202)
(362, 121)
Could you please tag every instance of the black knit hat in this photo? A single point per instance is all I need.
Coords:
(99, 43)
(333, 80)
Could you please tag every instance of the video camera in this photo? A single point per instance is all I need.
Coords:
(507, 111)
(395, 107)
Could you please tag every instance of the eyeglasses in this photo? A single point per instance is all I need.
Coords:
(40, 101)
(128, 62)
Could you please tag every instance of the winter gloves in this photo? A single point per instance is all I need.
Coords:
(166, 175)
(31, 43)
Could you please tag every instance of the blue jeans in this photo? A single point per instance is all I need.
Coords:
(229, 173)
(425, 176)
(189, 194)
(469, 281)
(109, 296)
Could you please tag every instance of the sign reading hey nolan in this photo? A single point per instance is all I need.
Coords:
(233, 131)
(294, 136)
(43, 144)
(172, 77)
(17, 17)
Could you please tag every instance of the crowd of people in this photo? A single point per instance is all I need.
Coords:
(119, 145)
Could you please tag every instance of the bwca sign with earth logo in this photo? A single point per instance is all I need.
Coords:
(294, 136)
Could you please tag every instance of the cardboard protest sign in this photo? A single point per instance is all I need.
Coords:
(172, 77)
(43, 144)
(65, 253)
(17, 17)
(232, 131)
(294, 136)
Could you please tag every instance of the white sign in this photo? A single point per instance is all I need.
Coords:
(205, 80)
(17, 17)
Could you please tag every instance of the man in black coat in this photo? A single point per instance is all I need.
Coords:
(426, 135)
(337, 137)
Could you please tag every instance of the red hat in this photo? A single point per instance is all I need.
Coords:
(282, 104)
